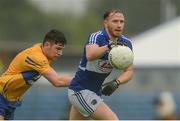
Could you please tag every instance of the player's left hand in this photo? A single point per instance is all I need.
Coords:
(122, 44)
(109, 87)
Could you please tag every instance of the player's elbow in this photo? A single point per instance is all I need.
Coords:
(89, 57)
(131, 75)
(130, 72)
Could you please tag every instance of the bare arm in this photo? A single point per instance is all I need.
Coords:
(111, 86)
(126, 75)
(93, 51)
(56, 80)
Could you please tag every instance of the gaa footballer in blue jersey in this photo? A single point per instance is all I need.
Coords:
(86, 87)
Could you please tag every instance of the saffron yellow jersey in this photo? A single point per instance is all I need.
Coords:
(22, 72)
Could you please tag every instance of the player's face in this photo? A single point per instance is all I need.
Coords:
(114, 24)
(54, 51)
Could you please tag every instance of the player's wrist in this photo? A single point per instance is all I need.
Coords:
(118, 82)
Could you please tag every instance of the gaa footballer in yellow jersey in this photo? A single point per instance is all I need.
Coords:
(26, 68)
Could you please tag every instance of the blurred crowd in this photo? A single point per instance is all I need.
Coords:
(165, 106)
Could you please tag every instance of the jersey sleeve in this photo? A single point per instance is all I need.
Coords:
(129, 43)
(126, 41)
(94, 38)
(38, 63)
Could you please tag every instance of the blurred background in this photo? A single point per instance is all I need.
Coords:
(153, 25)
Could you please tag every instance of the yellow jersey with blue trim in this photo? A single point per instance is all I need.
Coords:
(25, 69)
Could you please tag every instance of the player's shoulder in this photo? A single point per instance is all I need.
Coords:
(96, 34)
(35, 54)
(95, 37)
(32, 59)
(126, 38)
(126, 41)
(33, 48)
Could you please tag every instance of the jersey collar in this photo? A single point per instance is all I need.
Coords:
(107, 36)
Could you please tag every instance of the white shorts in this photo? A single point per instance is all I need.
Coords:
(85, 101)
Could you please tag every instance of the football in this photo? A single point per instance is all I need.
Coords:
(121, 57)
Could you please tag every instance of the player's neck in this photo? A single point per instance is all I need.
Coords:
(112, 38)
(43, 50)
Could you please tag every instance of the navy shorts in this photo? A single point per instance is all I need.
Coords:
(7, 108)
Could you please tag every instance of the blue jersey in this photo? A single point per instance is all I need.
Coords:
(91, 74)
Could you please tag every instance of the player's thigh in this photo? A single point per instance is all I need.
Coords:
(6, 109)
(75, 115)
(85, 101)
(103, 112)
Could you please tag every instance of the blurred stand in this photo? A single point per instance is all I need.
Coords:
(1, 66)
(2, 61)
(165, 106)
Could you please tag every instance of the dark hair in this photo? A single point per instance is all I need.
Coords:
(55, 36)
(108, 12)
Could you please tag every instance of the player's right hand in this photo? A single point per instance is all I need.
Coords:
(111, 45)
(122, 44)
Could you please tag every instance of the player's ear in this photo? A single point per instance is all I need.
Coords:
(105, 23)
(47, 43)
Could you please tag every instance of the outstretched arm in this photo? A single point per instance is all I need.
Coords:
(56, 80)
(126, 75)
(110, 87)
